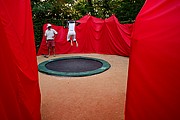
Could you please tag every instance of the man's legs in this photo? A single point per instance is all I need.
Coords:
(49, 51)
(53, 48)
(74, 39)
(69, 38)
(50, 44)
(71, 42)
(54, 53)
(76, 43)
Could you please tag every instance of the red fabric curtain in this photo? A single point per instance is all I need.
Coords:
(94, 35)
(154, 76)
(19, 88)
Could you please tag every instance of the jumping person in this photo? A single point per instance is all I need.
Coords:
(71, 31)
(50, 35)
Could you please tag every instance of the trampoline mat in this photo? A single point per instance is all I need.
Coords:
(74, 65)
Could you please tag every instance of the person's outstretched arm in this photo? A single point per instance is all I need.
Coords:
(77, 23)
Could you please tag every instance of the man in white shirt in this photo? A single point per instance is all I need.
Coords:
(50, 35)
(71, 31)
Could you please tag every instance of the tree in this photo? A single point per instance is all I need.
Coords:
(57, 11)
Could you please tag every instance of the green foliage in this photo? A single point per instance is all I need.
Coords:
(57, 11)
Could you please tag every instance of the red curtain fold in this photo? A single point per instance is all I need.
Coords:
(19, 88)
(154, 78)
(94, 35)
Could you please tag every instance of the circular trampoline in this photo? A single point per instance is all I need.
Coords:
(75, 66)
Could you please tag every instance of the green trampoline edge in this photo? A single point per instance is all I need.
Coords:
(42, 68)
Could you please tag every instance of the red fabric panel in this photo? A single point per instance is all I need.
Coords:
(94, 35)
(154, 78)
(19, 88)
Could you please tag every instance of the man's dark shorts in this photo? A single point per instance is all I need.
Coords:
(50, 43)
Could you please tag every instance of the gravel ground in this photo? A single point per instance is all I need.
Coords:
(96, 97)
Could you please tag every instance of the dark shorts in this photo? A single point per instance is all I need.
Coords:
(50, 43)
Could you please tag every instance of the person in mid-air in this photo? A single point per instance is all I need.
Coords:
(50, 35)
(71, 31)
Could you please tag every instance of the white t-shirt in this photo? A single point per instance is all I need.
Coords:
(71, 26)
(50, 34)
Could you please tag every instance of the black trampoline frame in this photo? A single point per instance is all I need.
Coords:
(105, 66)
